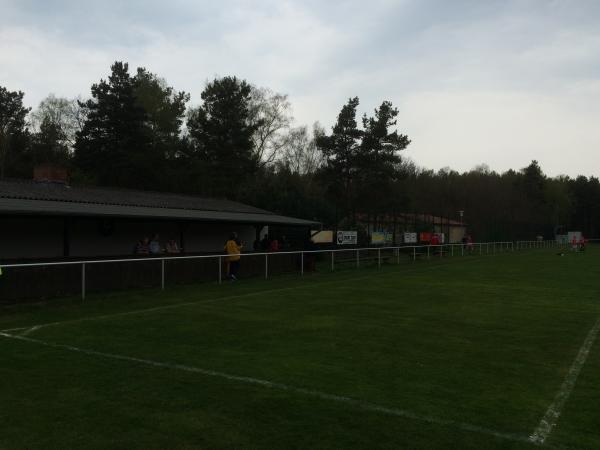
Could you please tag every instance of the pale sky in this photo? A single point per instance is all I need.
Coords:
(476, 81)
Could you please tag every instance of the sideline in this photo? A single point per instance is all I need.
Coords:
(550, 419)
(366, 406)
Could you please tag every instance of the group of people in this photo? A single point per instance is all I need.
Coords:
(233, 248)
(153, 246)
(271, 245)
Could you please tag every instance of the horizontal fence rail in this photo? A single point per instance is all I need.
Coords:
(67, 278)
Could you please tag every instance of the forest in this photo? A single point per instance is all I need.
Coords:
(134, 130)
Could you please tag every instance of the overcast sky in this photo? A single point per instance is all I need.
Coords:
(481, 81)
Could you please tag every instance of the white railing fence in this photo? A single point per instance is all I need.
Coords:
(306, 260)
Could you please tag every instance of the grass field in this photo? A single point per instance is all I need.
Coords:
(469, 352)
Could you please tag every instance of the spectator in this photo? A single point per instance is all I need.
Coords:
(172, 247)
(233, 247)
(274, 246)
(265, 243)
(141, 248)
(470, 243)
(283, 243)
(154, 245)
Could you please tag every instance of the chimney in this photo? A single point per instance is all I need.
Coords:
(50, 173)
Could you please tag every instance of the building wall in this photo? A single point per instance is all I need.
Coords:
(208, 237)
(457, 233)
(29, 237)
(93, 237)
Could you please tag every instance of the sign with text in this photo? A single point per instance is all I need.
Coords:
(347, 237)
(425, 236)
(381, 237)
(378, 238)
(410, 238)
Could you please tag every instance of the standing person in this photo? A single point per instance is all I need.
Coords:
(574, 244)
(582, 243)
(233, 247)
(265, 243)
(283, 243)
(469, 243)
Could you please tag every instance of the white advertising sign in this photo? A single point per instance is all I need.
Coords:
(347, 237)
(410, 238)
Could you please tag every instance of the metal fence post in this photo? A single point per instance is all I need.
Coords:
(266, 266)
(332, 261)
(83, 281)
(414, 254)
(398, 256)
(162, 274)
(452, 249)
(428, 252)
(301, 263)
(462, 250)
(357, 259)
(379, 258)
(220, 269)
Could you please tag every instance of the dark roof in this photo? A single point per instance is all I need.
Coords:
(29, 197)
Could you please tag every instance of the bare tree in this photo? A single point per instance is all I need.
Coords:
(272, 113)
(65, 114)
(300, 153)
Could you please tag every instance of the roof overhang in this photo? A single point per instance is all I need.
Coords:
(57, 208)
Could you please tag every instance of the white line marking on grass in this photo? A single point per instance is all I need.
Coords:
(548, 422)
(31, 329)
(283, 387)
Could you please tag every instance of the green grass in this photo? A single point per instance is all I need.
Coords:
(467, 342)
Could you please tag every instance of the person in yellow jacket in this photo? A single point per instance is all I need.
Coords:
(233, 247)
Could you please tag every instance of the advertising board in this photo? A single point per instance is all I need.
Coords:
(347, 237)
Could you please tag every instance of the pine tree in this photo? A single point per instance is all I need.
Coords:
(340, 150)
(14, 158)
(221, 133)
(114, 147)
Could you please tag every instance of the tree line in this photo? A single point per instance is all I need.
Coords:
(136, 131)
